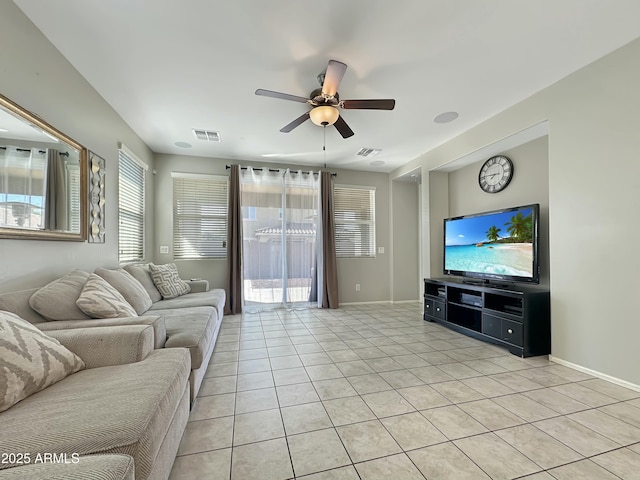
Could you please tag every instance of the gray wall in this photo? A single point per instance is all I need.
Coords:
(594, 186)
(405, 227)
(37, 77)
(373, 274)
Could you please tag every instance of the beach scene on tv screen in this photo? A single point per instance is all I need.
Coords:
(495, 244)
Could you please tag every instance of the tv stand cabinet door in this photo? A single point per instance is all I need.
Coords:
(491, 325)
(433, 309)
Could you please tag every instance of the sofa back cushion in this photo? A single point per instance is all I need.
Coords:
(57, 300)
(168, 281)
(18, 302)
(99, 299)
(30, 360)
(130, 288)
(143, 275)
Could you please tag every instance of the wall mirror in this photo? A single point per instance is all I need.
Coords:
(43, 177)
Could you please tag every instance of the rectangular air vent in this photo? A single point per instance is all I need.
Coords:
(368, 152)
(207, 135)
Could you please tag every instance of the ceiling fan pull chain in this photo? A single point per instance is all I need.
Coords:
(324, 144)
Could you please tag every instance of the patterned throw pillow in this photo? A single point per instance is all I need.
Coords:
(100, 300)
(30, 360)
(168, 281)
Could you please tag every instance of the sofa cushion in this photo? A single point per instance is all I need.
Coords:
(30, 360)
(212, 298)
(119, 409)
(57, 300)
(130, 288)
(143, 275)
(98, 299)
(156, 322)
(168, 281)
(18, 302)
(191, 328)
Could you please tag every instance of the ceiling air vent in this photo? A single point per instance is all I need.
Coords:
(207, 135)
(368, 152)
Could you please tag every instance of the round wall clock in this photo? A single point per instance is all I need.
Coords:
(495, 174)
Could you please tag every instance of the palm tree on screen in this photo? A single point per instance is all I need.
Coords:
(492, 233)
(520, 227)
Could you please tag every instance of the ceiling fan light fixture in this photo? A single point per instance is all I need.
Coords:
(324, 115)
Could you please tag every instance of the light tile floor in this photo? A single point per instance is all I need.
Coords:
(374, 392)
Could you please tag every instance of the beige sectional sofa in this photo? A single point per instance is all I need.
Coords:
(132, 399)
(191, 321)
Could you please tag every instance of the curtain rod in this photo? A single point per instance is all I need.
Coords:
(276, 170)
(64, 154)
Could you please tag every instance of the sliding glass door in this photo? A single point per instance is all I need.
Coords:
(280, 221)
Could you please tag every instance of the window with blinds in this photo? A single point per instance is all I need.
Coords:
(355, 218)
(199, 216)
(130, 208)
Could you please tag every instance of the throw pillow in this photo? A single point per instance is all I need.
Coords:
(30, 360)
(168, 281)
(143, 275)
(57, 300)
(130, 288)
(100, 300)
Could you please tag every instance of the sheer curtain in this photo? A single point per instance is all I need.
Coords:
(23, 174)
(301, 224)
(279, 221)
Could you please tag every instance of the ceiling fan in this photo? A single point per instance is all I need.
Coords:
(325, 102)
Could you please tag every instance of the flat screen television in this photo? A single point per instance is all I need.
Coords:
(501, 245)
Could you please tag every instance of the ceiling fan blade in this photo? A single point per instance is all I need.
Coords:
(301, 119)
(380, 104)
(282, 96)
(343, 128)
(333, 77)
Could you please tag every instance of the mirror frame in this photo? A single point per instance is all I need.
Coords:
(16, 233)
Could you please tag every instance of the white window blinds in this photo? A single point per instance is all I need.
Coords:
(199, 216)
(73, 189)
(131, 208)
(355, 221)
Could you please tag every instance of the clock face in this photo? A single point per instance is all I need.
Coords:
(495, 174)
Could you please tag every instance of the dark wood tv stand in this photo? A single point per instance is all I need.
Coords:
(515, 316)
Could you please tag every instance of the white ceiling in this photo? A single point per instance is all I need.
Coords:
(168, 66)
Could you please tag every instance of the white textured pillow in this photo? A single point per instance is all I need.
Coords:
(168, 281)
(100, 300)
(30, 360)
(57, 300)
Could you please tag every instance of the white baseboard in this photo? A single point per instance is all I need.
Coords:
(379, 302)
(595, 373)
(382, 302)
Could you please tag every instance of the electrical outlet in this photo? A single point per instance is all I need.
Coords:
(357, 287)
(164, 249)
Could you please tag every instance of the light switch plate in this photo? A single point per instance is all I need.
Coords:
(380, 249)
(164, 249)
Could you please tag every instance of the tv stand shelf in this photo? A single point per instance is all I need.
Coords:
(515, 316)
